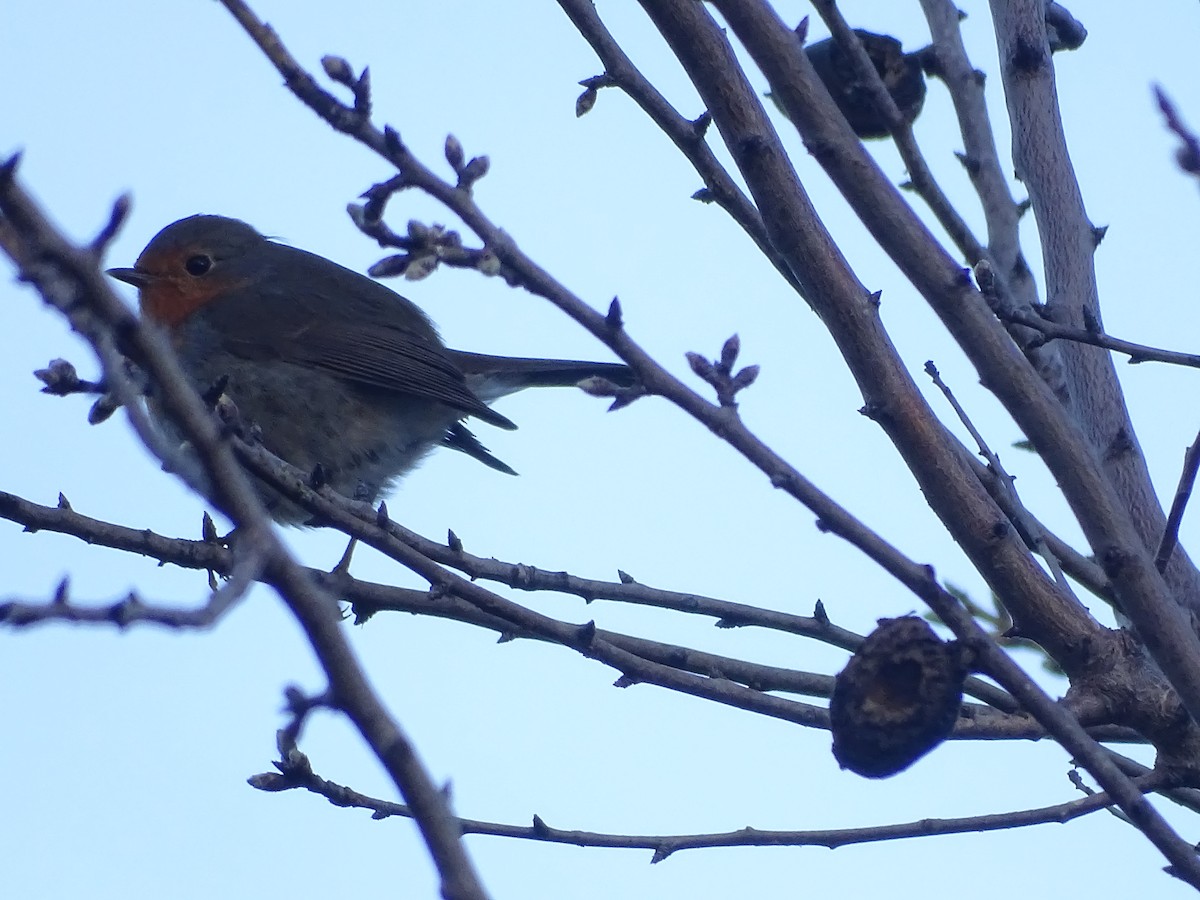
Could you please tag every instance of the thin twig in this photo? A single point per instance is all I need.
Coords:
(132, 610)
(1188, 155)
(687, 134)
(1137, 353)
(1183, 493)
(1024, 522)
(295, 772)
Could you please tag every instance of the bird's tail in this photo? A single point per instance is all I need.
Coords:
(492, 377)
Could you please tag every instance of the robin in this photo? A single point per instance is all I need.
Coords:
(334, 368)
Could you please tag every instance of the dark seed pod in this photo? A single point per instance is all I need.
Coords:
(901, 73)
(897, 698)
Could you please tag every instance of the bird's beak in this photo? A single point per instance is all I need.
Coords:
(131, 276)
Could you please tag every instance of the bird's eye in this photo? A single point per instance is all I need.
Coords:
(198, 264)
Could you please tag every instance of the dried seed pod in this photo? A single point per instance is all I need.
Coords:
(901, 73)
(897, 698)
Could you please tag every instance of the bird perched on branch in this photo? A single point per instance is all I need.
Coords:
(901, 72)
(335, 369)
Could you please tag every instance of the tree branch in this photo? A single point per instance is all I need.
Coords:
(295, 772)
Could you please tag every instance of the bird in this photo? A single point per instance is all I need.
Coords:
(902, 74)
(334, 369)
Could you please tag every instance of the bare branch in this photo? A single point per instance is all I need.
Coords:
(1137, 353)
(1188, 155)
(1027, 525)
(1183, 493)
(366, 599)
(688, 135)
(1121, 516)
(131, 610)
(295, 772)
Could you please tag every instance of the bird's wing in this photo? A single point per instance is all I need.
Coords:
(363, 348)
(460, 438)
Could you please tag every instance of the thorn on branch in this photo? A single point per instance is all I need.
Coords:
(969, 163)
(393, 143)
(613, 318)
(1188, 155)
(318, 477)
(453, 541)
(586, 634)
(820, 614)
(704, 195)
(362, 94)
(126, 612)
(873, 410)
(8, 168)
(116, 218)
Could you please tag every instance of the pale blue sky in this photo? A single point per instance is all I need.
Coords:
(125, 755)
